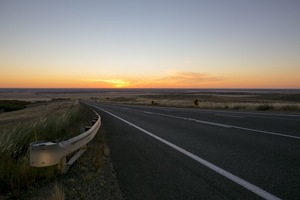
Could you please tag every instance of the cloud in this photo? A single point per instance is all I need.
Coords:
(187, 79)
(176, 80)
(113, 82)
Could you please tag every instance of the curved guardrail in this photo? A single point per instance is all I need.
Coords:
(43, 154)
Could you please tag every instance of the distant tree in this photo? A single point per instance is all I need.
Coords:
(153, 102)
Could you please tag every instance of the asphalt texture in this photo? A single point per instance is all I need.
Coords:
(262, 149)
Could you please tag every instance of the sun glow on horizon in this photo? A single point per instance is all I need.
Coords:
(117, 83)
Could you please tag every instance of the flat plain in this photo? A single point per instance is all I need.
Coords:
(283, 100)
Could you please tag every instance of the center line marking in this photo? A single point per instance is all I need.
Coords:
(234, 116)
(229, 126)
(219, 124)
(256, 190)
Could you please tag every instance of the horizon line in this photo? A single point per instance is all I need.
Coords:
(125, 88)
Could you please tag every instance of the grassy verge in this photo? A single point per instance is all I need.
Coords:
(254, 102)
(49, 122)
(89, 174)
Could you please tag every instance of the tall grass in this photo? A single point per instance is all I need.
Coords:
(58, 192)
(58, 122)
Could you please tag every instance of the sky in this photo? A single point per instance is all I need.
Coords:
(150, 44)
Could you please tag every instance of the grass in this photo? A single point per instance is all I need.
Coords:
(54, 121)
(58, 192)
(258, 102)
(85, 174)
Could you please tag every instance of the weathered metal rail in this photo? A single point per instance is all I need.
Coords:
(43, 154)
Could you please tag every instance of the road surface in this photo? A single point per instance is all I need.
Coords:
(177, 153)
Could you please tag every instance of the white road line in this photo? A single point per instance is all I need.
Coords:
(266, 132)
(150, 113)
(218, 124)
(229, 126)
(194, 120)
(259, 114)
(256, 190)
(234, 116)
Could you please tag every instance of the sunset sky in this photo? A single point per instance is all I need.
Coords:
(150, 44)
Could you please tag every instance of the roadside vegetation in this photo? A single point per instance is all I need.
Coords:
(53, 121)
(255, 102)
(90, 173)
(12, 105)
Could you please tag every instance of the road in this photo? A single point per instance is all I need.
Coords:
(177, 153)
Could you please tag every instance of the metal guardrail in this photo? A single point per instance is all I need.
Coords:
(43, 154)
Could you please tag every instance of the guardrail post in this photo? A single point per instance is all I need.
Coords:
(62, 166)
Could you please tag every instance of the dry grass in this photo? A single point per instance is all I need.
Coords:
(98, 149)
(263, 102)
(54, 121)
(35, 113)
(27, 96)
(58, 192)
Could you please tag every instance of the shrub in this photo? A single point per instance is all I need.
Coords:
(196, 102)
(154, 103)
(265, 107)
(226, 107)
(238, 107)
(12, 105)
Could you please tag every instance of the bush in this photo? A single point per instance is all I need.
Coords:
(265, 107)
(153, 103)
(196, 102)
(12, 105)
(238, 107)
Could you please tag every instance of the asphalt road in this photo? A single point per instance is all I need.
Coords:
(173, 153)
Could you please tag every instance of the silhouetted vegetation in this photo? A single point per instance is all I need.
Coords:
(60, 99)
(12, 105)
(196, 102)
(264, 107)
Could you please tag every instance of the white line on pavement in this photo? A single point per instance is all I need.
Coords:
(229, 126)
(234, 116)
(256, 190)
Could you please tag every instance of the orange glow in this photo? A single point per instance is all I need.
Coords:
(117, 83)
(40, 78)
(177, 81)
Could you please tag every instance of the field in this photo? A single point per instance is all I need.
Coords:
(249, 100)
(274, 102)
(225, 99)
